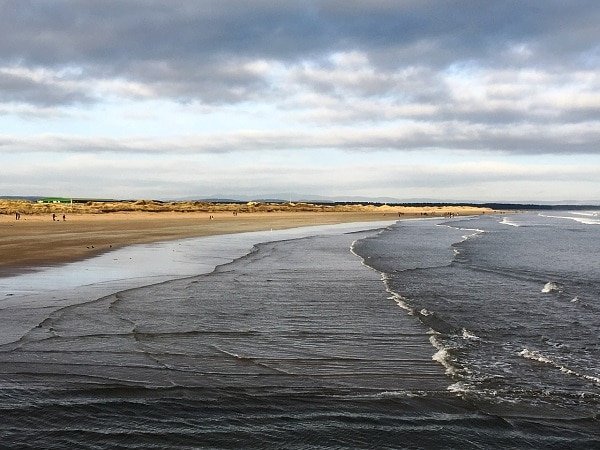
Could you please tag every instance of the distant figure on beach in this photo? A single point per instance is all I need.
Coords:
(64, 217)
(53, 217)
(17, 216)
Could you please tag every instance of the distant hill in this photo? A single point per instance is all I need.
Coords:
(21, 197)
(354, 200)
(320, 199)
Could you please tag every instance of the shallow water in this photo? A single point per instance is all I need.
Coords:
(27, 299)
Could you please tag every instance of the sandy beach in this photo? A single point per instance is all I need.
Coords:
(36, 239)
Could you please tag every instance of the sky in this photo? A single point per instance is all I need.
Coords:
(410, 99)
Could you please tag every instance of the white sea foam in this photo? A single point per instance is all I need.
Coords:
(459, 387)
(401, 302)
(353, 244)
(537, 356)
(506, 221)
(476, 231)
(442, 356)
(551, 286)
(584, 220)
(400, 394)
(586, 213)
(466, 334)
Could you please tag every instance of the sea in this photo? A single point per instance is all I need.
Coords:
(473, 333)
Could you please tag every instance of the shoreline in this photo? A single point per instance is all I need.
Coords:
(37, 241)
(30, 296)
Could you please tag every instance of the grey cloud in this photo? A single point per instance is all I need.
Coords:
(356, 93)
(22, 89)
(212, 82)
(362, 80)
(196, 40)
(114, 33)
(580, 138)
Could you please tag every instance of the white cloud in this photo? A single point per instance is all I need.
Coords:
(97, 175)
(523, 138)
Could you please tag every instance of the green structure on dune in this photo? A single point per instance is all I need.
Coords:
(55, 200)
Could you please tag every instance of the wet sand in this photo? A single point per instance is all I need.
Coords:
(38, 240)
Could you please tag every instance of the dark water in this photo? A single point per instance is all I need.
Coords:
(515, 308)
(450, 342)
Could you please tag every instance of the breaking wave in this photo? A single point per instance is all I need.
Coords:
(587, 220)
(551, 286)
(537, 356)
(506, 221)
(444, 357)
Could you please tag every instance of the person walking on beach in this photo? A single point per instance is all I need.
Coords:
(17, 216)
(64, 217)
(53, 217)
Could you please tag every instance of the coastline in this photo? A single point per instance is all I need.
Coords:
(37, 240)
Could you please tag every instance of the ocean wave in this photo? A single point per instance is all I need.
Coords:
(476, 231)
(585, 221)
(444, 357)
(438, 324)
(537, 356)
(466, 334)
(506, 221)
(401, 394)
(551, 286)
(459, 387)
(401, 302)
(438, 327)
(586, 213)
(362, 259)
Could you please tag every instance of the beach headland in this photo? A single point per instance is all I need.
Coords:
(40, 236)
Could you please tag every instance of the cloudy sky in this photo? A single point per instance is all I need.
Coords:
(450, 100)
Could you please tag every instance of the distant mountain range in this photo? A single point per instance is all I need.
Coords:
(293, 197)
